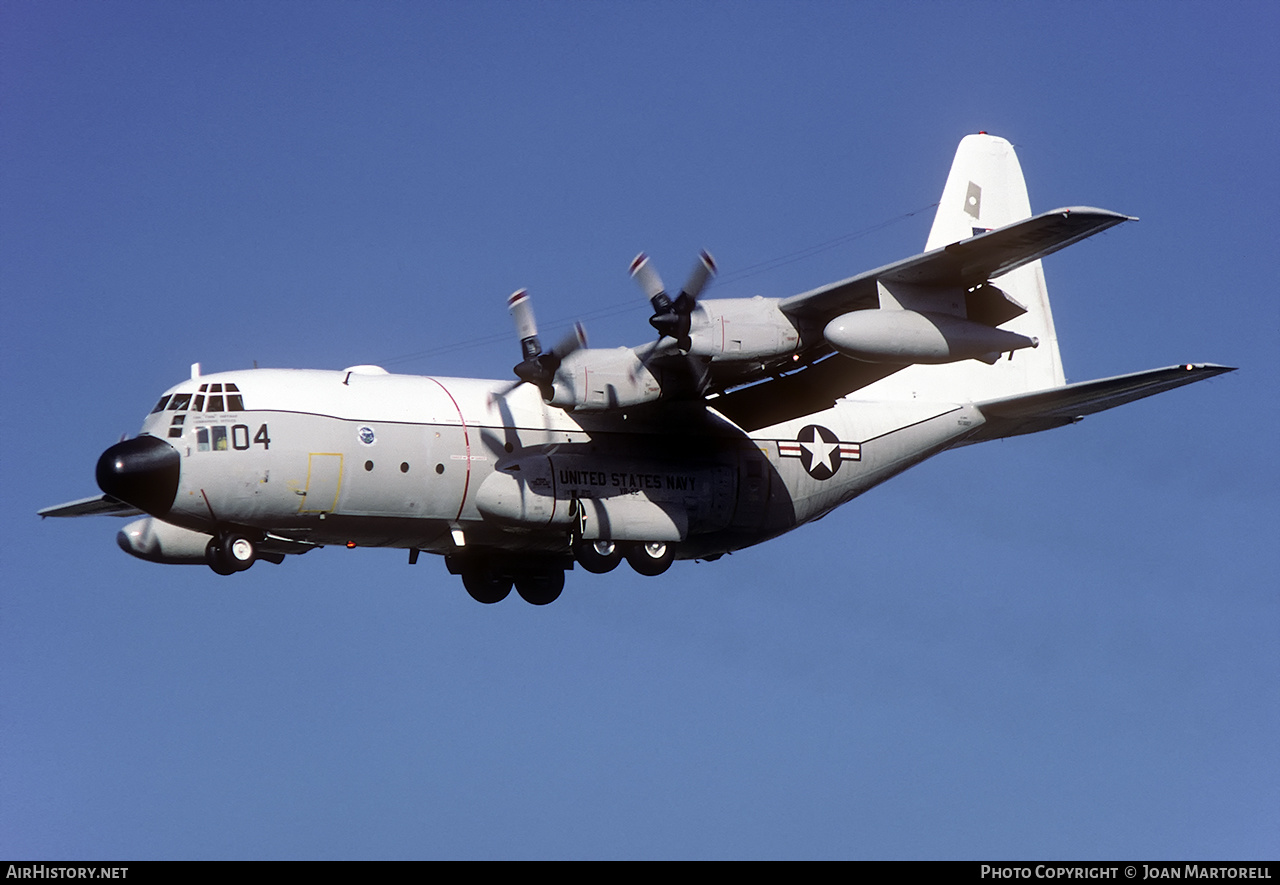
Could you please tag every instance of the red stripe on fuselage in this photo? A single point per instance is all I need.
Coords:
(466, 442)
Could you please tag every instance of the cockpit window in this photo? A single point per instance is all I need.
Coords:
(215, 401)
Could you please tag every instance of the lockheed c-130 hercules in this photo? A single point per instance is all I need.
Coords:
(744, 419)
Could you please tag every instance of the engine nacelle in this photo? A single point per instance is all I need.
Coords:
(597, 380)
(157, 541)
(908, 336)
(742, 328)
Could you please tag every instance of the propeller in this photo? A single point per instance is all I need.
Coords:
(538, 368)
(672, 318)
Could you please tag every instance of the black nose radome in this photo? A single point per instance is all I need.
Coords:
(142, 471)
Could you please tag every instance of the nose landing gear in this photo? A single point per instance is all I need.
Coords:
(230, 552)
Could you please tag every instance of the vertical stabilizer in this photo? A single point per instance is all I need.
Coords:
(985, 190)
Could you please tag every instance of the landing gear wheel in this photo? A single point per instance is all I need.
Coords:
(650, 558)
(238, 552)
(597, 557)
(540, 588)
(214, 556)
(485, 586)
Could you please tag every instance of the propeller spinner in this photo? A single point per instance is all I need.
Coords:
(672, 318)
(538, 368)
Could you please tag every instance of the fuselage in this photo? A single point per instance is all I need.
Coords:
(366, 458)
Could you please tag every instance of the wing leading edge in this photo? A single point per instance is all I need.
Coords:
(102, 505)
(964, 264)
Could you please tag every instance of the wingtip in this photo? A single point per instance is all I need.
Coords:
(1206, 369)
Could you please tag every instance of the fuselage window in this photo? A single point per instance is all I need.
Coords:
(202, 439)
(215, 403)
(198, 405)
(219, 438)
(234, 402)
(160, 405)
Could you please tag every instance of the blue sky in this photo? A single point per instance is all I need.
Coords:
(1058, 646)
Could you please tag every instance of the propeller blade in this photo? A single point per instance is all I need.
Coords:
(521, 308)
(672, 318)
(575, 340)
(704, 270)
(537, 368)
(643, 273)
(504, 392)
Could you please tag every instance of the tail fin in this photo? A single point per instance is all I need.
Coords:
(985, 190)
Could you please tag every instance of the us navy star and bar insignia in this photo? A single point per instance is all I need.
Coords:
(820, 451)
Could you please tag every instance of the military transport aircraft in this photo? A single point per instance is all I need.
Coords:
(744, 419)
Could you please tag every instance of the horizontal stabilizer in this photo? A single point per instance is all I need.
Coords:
(102, 505)
(1046, 409)
(964, 264)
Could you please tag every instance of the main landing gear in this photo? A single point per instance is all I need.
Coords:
(650, 558)
(489, 576)
(489, 579)
(597, 557)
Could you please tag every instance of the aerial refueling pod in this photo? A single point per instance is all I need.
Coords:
(909, 336)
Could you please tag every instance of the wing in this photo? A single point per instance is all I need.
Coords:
(965, 264)
(102, 505)
(955, 272)
(1033, 412)
(810, 389)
